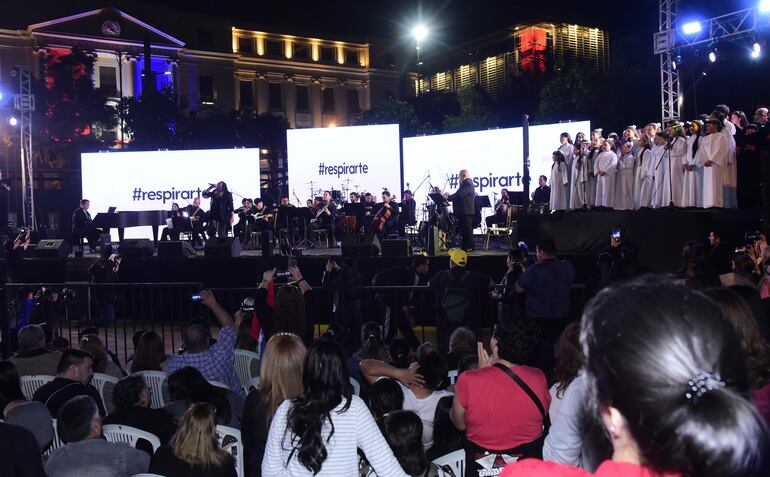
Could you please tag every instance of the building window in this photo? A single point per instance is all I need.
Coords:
(327, 54)
(206, 89)
(353, 103)
(274, 48)
(301, 51)
(328, 100)
(245, 45)
(205, 38)
(351, 57)
(108, 81)
(247, 95)
(274, 95)
(303, 98)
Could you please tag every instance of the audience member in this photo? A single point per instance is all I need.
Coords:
(503, 413)
(385, 396)
(53, 342)
(372, 346)
(319, 432)
(73, 377)
(743, 272)
(150, 353)
(468, 362)
(670, 393)
(346, 305)
(33, 356)
(131, 398)
(289, 313)
(187, 386)
(86, 452)
(18, 442)
(102, 363)
(756, 348)
(569, 361)
(403, 431)
(15, 409)
(280, 379)
(399, 353)
(719, 253)
(194, 450)
(548, 284)
(215, 362)
(421, 391)
(505, 293)
(460, 296)
(462, 343)
(446, 438)
(398, 307)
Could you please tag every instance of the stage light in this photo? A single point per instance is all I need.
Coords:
(756, 50)
(1, 95)
(13, 121)
(691, 28)
(673, 65)
(420, 32)
(713, 56)
(764, 6)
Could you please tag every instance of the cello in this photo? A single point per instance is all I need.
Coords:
(380, 219)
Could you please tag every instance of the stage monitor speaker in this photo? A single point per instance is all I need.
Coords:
(175, 249)
(397, 248)
(266, 242)
(54, 248)
(434, 241)
(360, 245)
(222, 247)
(136, 248)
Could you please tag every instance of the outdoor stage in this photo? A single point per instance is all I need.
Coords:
(658, 236)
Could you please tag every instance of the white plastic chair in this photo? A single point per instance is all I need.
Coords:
(56, 442)
(104, 383)
(253, 383)
(31, 383)
(129, 435)
(452, 376)
(220, 384)
(356, 387)
(452, 464)
(243, 363)
(155, 381)
(230, 440)
(148, 475)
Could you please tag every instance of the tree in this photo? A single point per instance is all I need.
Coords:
(399, 112)
(573, 93)
(156, 120)
(476, 111)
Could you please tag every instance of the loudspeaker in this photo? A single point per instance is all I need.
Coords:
(54, 248)
(136, 248)
(222, 247)
(266, 241)
(360, 245)
(397, 248)
(434, 241)
(175, 249)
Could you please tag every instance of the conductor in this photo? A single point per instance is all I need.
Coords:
(463, 205)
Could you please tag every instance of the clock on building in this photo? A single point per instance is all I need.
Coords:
(111, 28)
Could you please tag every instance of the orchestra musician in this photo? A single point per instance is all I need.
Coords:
(369, 211)
(326, 216)
(408, 215)
(542, 195)
(172, 232)
(501, 210)
(262, 216)
(196, 216)
(354, 197)
(81, 226)
(221, 210)
(387, 214)
(464, 208)
(285, 202)
(246, 220)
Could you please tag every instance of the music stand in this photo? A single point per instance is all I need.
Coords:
(304, 214)
(439, 200)
(354, 208)
(484, 200)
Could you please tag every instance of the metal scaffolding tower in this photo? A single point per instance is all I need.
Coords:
(669, 77)
(24, 102)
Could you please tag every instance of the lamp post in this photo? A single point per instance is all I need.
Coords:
(419, 32)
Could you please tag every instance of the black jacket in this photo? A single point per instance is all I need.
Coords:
(80, 220)
(463, 201)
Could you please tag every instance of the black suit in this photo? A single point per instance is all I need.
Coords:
(464, 208)
(220, 212)
(408, 215)
(81, 228)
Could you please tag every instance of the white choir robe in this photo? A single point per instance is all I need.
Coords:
(605, 185)
(643, 179)
(568, 151)
(714, 148)
(624, 183)
(559, 186)
(692, 181)
(578, 184)
(678, 150)
(730, 170)
(660, 159)
(591, 181)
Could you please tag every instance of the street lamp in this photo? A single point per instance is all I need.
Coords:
(419, 32)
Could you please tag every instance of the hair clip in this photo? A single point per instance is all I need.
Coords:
(701, 384)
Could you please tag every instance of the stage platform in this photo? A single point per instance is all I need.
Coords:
(657, 235)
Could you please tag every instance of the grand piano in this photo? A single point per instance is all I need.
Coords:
(130, 218)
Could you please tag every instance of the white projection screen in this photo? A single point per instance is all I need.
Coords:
(152, 180)
(543, 140)
(356, 158)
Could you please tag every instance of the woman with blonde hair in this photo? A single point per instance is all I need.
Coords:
(194, 450)
(280, 379)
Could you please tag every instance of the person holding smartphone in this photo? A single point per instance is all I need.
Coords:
(614, 262)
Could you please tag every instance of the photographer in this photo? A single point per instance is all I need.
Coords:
(505, 294)
(346, 305)
(105, 298)
(284, 310)
(614, 262)
(16, 249)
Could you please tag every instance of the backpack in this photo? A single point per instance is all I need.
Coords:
(456, 300)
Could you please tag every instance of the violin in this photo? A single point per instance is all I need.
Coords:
(380, 219)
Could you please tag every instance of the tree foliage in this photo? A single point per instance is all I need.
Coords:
(574, 93)
(395, 111)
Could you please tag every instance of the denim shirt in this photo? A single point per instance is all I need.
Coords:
(96, 458)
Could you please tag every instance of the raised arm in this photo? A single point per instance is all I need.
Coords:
(223, 317)
(373, 369)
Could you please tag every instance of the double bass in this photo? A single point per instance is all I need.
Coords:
(380, 219)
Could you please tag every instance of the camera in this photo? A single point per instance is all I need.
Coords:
(196, 298)
(283, 274)
(752, 237)
(247, 304)
(68, 294)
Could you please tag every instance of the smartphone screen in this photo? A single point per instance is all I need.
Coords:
(196, 298)
(616, 234)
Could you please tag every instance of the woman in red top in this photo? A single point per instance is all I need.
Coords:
(495, 412)
(667, 377)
